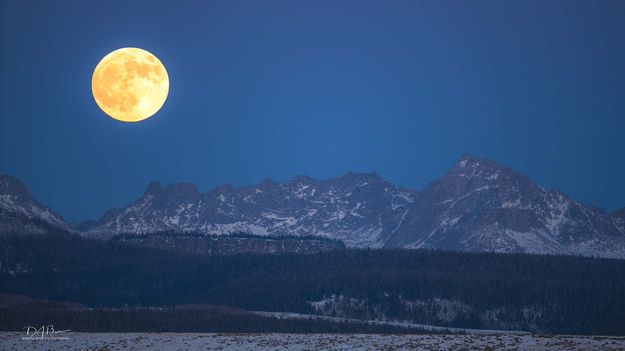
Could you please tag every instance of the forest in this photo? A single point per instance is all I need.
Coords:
(18, 312)
(542, 294)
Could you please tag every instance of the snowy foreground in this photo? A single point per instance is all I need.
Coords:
(180, 341)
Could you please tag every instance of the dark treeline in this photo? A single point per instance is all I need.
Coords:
(567, 294)
(20, 313)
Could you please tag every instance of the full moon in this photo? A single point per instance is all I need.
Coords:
(130, 84)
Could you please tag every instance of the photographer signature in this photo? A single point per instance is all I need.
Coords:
(43, 331)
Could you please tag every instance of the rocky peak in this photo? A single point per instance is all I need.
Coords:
(267, 184)
(12, 186)
(16, 200)
(472, 174)
(153, 188)
(471, 167)
(483, 206)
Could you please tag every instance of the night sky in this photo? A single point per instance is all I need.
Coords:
(276, 89)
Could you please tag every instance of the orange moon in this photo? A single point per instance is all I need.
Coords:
(130, 84)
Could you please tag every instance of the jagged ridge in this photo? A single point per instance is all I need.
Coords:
(478, 206)
(357, 208)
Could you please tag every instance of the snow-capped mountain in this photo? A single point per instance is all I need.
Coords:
(482, 206)
(478, 206)
(360, 209)
(19, 210)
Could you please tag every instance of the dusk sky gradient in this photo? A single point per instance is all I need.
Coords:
(280, 88)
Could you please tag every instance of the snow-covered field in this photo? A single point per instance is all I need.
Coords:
(179, 341)
(419, 327)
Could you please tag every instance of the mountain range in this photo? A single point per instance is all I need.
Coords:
(479, 205)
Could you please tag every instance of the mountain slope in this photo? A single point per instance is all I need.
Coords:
(359, 209)
(20, 211)
(482, 206)
(619, 218)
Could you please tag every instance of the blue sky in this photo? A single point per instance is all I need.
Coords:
(280, 88)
